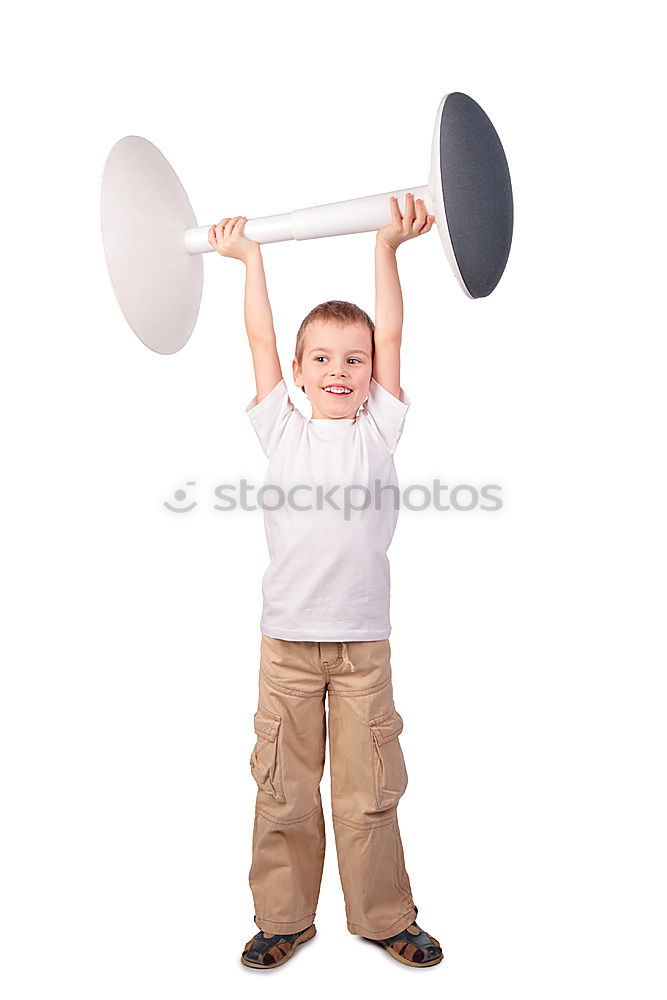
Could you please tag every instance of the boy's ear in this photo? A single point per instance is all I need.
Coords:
(296, 373)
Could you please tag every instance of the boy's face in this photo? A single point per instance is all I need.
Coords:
(335, 354)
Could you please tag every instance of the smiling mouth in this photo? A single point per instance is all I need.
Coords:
(337, 390)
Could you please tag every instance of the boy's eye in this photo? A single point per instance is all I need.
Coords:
(322, 357)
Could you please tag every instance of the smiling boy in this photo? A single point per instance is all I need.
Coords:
(325, 620)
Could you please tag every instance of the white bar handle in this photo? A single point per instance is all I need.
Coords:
(340, 218)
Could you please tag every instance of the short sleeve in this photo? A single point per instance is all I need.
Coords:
(271, 417)
(387, 413)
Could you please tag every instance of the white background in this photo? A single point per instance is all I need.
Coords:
(528, 645)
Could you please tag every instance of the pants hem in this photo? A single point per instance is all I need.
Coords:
(285, 926)
(399, 925)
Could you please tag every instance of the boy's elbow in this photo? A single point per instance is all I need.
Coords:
(388, 337)
(262, 339)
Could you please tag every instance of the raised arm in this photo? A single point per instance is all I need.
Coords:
(228, 240)
(388, 319)
(388, 296)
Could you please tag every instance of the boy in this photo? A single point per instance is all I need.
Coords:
(325, 623)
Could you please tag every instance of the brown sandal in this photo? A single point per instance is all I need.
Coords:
(414, 947)
(267, 951)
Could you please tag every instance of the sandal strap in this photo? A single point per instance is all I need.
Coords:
(273, 946)
(414, 944)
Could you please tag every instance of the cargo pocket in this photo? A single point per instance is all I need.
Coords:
(391, 777)
(265, 761)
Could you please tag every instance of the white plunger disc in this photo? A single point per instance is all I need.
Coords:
(145, 213)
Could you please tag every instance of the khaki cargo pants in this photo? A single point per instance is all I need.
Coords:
(368, 777)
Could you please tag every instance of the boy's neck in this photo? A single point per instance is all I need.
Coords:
(332, 418)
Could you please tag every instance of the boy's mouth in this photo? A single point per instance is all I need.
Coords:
(337, 390)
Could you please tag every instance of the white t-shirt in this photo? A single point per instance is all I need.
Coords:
(328, 579)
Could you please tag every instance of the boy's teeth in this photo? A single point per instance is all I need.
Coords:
(339, 392)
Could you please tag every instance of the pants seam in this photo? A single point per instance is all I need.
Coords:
(319, 865)
(363, 826)
(338, 659)
(269, 920)
(294, 691)
(402, 887)
(359, 691)
(382, 929)
(286, 822)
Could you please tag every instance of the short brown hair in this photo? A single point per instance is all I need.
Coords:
(340, 312)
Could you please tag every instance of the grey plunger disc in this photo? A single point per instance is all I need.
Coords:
(477, 194)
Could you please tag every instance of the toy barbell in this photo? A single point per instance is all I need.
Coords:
(154, 247)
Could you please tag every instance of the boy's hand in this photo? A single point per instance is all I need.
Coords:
(227, 239)
(415, 222)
